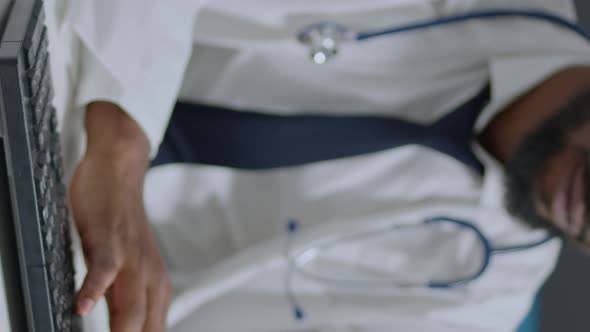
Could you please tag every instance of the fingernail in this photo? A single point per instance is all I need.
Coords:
(85, 306)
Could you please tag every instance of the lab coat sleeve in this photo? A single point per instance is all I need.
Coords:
(133, 53)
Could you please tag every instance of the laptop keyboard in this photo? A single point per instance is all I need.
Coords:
(49, 183)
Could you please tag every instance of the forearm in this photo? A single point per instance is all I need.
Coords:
(113, 134)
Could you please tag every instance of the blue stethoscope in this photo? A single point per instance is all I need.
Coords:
(297, 260)
(323, 40)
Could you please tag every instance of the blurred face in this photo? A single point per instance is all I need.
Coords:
(548, 178)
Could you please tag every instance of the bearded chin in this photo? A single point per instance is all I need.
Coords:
(527, 164)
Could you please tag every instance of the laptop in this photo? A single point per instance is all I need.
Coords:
(35, 247)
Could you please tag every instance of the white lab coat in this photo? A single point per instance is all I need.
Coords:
(222, 230)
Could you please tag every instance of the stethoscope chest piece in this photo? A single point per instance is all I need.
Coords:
(323, 40)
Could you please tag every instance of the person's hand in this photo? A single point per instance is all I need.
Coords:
(122, 255)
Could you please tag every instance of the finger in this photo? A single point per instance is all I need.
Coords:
(158, 297)
(102, 271)
(128, 303)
